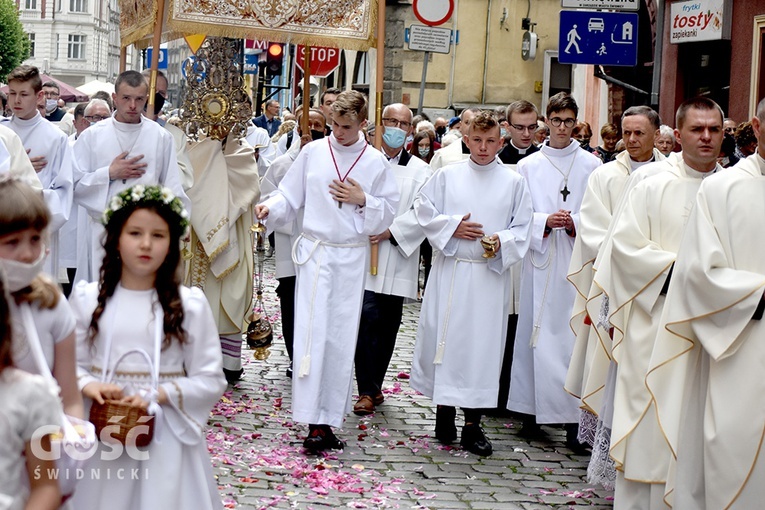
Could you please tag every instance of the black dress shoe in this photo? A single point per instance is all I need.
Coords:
(322, 438)
(474, 440)
(233, 376)
(446, 430)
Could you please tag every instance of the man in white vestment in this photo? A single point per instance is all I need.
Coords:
(14, 159)
(604, 192)
(398, 264)
(122, 151)
(348, 192)
(457, 151)
(635, 278)
(226, 186)
(461, 336)
(286, 235)
(94, 111)
(48, 149)
(557, 178)
(706, 373)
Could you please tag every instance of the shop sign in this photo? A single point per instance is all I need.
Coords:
(700, 20)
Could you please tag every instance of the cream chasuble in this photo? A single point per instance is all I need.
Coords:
(604, 191)
(706, 371)
(557, 179)
(463, 324)
(225, 189)
(645, 241)
(331, 257)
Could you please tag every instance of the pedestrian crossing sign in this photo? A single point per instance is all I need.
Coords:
(598, 38)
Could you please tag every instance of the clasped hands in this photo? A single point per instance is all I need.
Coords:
(472, 231)
(100, 392)
(561, 219)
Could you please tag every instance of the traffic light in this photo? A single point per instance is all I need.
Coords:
(274, 59)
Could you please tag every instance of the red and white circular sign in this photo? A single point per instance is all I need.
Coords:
(433, 12)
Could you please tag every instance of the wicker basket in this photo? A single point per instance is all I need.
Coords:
(118, 422)
(123, 423)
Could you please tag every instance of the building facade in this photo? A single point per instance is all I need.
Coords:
(75, 41)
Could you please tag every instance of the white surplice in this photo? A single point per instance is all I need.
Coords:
(645, 241)
(94, 151)
(463, 324)
(544, 341)
(178, 472)
(398, 266)
(14, 159)
(447, 155)
(331, 257)
(706, 374)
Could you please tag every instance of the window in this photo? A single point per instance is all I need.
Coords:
(76, 47)
(31, 44)
(30, 4)
(78, 5)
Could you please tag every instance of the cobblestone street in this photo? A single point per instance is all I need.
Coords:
(391, 459)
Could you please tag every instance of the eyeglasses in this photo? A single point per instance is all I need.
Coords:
(396, 123)
(730, 130)
(530, 128)
(95, 118)
(557, 121)
(52, 94)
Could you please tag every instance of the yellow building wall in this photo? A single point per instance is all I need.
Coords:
(508, 76)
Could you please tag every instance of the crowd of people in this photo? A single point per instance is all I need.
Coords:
(614, 289)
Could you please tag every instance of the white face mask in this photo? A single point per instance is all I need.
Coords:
(20, 274)
(50, 105)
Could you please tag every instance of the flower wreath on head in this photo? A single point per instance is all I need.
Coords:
(139, 193)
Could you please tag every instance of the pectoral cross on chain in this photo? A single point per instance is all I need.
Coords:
(565, 192)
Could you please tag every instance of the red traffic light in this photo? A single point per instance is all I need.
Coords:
(275, 50)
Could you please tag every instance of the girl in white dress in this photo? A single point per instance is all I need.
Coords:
(139, 281)
(24, 218)
(27, 405)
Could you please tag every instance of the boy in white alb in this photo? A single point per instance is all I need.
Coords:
(48, 149)
(348, 192)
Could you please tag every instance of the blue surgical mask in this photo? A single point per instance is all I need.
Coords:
(394, 137)
(51, 105)
(423, 151)
(502, 132)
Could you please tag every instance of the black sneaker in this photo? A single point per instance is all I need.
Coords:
(572, 441)
(474, 440)
(446, 430)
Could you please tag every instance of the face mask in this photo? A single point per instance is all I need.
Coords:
(315, 135)
(585, 143)
(51, 105)
(441, 130)
(423, 151)
(394, 137)
(19, 275)
(502, 132)
(159, 102)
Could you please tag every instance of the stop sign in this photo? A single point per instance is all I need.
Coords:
(321, 60)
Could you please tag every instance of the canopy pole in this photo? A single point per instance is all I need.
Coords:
(380, 61)
(156, 41)
(306, 89)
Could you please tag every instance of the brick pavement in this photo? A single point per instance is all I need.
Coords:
(391, 459)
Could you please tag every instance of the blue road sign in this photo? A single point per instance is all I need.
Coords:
(162, 58)
(600, 38)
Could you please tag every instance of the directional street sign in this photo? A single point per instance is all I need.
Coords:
(599, 38)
